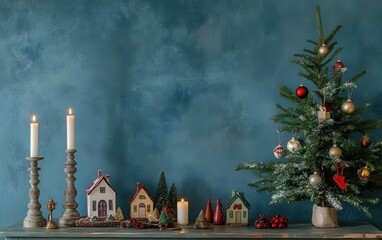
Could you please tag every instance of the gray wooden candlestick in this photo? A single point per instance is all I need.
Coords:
(70, 214)
(34, 216)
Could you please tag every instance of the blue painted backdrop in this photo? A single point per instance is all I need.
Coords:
(187, 87)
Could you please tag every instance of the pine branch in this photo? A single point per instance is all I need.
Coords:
(338, 51)
(357, 76)
(311, 52)
(313, 42)
(319, 25)
(333, 33)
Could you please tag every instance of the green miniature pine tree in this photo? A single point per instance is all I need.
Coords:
(173, 199)
(291, 179)
(165, 220)
(161, 197)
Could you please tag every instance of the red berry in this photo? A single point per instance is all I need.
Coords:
(281, 225)
(277, 221)
(258, 225)
(274, 225)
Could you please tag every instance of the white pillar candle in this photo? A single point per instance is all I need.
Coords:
(34, 138)
(182, 212)
(70, 130)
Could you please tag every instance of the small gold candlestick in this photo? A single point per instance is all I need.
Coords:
(51, 205)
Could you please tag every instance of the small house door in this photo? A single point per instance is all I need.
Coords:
(142, 210)
(102, 209)
(238, 217)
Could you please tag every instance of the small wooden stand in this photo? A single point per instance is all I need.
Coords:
(70, 214)
(34, 216)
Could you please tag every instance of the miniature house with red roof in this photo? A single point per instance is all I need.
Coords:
(237, 210)
(141, 203)
(101, 197)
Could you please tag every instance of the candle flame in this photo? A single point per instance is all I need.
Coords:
(70, 111)
(33, 118)
(182, 200)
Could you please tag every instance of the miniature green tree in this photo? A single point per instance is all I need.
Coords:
(161, 197)
(165, 220)
(328, 166)
(173, 199)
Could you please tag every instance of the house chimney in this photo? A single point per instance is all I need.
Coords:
(108, 178)
(139, 185)
(233, 193)
(99, 173)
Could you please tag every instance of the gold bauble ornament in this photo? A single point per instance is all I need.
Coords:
(314, 179)
(323, 50)
(335, 152)
(348, 106)
(364, 173)
(293, 145)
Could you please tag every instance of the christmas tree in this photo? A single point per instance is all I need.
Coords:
(326, 162)
(161, 197)
(173, 199)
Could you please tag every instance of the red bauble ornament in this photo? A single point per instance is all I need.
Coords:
(329, 108)
(338, 66)
(302, 91)
(365, 141)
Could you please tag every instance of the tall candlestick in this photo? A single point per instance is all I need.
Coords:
(70, 130)
(34, 138)
(182, 212)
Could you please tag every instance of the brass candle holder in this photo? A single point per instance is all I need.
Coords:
(34, 216)
(51, 205)
(70, 214)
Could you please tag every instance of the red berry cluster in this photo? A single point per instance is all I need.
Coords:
(134, 223)
(278, 222)
(275, 222)
(262, 222)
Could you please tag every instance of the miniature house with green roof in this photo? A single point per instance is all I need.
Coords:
(237, 210)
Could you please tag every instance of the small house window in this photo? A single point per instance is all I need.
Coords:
(142, 197)
(102, 189)
(244, 214)
(148, 208)
(230, 214)
(135, 208)
(111, 205)
(94, 203)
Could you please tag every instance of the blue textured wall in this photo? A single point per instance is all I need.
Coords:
(184, 86)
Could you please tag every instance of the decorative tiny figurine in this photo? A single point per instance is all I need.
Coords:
(237, 209)
(218, 214)
(209, 214)
(201, 222)
(101, 197)
(51, 205)
(165, 221)
(141, 203)
(119, 214)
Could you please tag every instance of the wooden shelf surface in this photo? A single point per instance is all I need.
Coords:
(294, 231)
